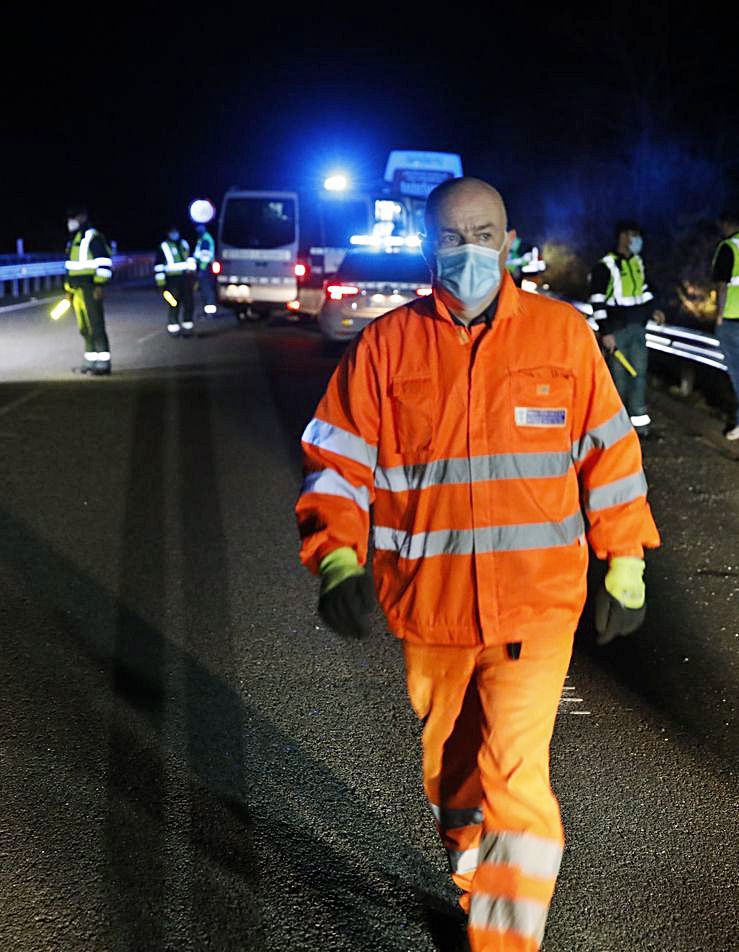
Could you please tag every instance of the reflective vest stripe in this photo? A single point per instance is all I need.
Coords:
(512, 538)
(330, 483)
(476, 469)
(731, 307)
(533, 855)
(639, 290)
(617, 493)
(603, 436)
(525, 917)
(336, 440)
(453, 818)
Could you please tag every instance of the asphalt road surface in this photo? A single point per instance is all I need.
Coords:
(189, 760)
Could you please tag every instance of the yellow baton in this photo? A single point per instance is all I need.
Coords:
(624, 363)
(60, 309)
(169, 298)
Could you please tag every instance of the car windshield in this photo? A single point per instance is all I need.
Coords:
(267, 222)
(401, 266)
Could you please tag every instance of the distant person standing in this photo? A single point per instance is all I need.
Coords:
(725, 272)
(205, 252)
(89, 266)
(622, 304)
(173, 272)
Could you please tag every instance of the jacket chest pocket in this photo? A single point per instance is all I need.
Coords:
(540, 407)
(412, 402)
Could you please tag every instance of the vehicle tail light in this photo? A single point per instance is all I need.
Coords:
(336, 292)
(301, 270)
(293, 305)
(424, 292)
(216, 267)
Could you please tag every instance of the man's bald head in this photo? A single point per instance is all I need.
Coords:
(460, 196)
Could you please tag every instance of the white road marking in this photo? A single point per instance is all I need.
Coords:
(34, 302)
(141, 340)
(569, 699)
(19, 401)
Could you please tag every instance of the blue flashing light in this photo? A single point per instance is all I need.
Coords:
(336, 183)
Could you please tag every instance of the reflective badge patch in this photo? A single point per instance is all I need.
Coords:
(540, 416)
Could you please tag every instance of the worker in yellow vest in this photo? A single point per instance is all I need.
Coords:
(725, 272)
(622, 304)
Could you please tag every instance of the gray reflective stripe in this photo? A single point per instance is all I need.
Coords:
(85, 244)
(477, 469)
(526, 917)
(334, 439)
(169, 257)
(597, 298)
(603, 436)
(528, 535)
(734, 281)
(533, 855)
(452, 818)
(329, 482)
(616, 493)
(463, 861)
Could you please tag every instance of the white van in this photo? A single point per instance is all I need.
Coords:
(257, 252)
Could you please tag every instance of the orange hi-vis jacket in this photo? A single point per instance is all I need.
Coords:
(481, 450)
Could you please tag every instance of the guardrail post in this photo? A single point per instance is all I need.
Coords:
(687, 379)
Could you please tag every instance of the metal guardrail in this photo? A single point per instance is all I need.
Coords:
(687, 343)
(22, 278)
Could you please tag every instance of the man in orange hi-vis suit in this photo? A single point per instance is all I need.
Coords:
(482, 425)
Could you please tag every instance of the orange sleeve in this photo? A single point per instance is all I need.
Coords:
(339, 457)
(608, 460)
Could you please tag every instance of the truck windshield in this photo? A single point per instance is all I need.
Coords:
(259, 222)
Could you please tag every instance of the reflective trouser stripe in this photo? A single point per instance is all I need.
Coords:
(525, 917)
(513, 538)
(331, 483)
(103, 355)
(91, 355)
(464, 861)
(617, 493)
(452, 818)
(641, 419)
(533, 855)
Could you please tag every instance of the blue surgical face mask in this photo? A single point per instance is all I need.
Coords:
(470, 273)
(174, 236)
(636, 244)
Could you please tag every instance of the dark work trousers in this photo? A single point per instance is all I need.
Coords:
(180, 287)
(728, 335)
(90, 319)
(631, 340)
(207, 282)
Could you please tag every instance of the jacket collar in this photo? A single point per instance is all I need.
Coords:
(509, 302)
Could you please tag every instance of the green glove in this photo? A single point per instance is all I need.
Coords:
(347, 594)
(620, 605)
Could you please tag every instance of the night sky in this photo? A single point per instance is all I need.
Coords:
(579, 117)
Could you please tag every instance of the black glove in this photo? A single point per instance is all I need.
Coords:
(613, 619)
(347, 607)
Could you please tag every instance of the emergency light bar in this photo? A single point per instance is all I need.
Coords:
(387, 243)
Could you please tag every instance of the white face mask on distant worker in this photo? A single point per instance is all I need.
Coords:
(73, 224)
(470, 273)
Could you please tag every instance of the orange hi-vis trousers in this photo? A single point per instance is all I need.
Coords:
(488, 726)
